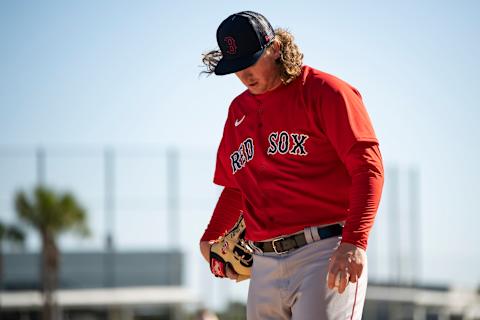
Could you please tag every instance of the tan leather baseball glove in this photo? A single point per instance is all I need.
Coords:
(232, 251)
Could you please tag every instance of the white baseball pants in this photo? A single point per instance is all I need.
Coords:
(294, 286)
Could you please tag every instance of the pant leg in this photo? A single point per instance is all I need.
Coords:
(310, 297)
(293, 286)
(267, 290)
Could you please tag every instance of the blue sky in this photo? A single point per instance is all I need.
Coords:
(125, 73)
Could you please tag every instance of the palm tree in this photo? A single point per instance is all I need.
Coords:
(12, 234)
(51, 214)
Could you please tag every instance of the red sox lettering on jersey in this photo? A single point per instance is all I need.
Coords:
(281, 143)
(243, 155)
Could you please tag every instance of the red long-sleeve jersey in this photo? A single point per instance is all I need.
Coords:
(301, 155)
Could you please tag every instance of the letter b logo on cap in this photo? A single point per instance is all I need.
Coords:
(232, 45)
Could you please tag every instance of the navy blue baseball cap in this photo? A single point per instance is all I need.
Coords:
(242, 38)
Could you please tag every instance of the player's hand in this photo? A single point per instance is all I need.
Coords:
(231, 274)
(346, 265)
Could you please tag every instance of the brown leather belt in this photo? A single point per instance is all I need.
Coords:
(286, 244)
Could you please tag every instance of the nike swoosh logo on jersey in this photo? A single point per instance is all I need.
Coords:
(238, 122)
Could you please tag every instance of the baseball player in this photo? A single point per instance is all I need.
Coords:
(300, 160)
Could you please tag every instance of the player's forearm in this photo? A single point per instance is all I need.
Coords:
(205, 250)
(366, 169)
(225, 214)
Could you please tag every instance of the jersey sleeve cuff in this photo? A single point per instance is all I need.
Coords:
(358, 240)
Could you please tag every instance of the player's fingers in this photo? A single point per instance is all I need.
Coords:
(353, 278)
(343, 281)
(231, 274)
(359, 270)
(355, 271)
(330, 265)
(331, 279)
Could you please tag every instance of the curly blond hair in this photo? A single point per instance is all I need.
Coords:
(290, 61)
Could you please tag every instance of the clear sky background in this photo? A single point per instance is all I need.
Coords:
(122, 73)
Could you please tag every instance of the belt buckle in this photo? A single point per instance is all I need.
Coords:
(275, 248)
